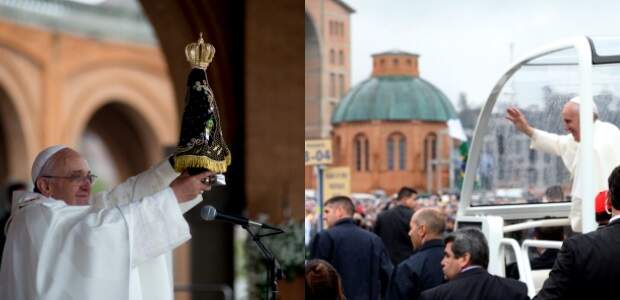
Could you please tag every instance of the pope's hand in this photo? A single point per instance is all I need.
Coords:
(518, 119)
(186, 187)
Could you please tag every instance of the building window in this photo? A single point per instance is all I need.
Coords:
(382, 62)
(395, 62)
(532, 176)
(547, 158)
(408, 62)
(402, 153)
(332, 84)
(332, 56)
(361, 152)
(390, 153)
(358, 154)
(366, 154)
(341, 57)
(430, 149)
(331, 27)
(500, 144)
(341, 84)
(533, 156)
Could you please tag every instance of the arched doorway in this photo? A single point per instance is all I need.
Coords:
(118, 143)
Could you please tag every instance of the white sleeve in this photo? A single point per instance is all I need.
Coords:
(156, 226)
(135, 188)
(548, 142)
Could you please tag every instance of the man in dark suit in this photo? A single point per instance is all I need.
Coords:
(422, 270)
(466, 258)
(358, 255)
(392, 225)
(588, 265)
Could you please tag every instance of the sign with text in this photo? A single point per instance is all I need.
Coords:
(318, 152)
(337, 182)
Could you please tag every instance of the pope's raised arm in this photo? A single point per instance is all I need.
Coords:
(152, 181)
(518, 119)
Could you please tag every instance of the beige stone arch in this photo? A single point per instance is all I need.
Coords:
(149, 97)
(20, 81)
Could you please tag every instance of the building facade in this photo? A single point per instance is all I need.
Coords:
(328, 62)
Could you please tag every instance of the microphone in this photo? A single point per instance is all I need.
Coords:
(209, 213)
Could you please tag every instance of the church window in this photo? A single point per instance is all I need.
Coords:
(393, 152)
(390, 153)
(361, 149)
(332, 85)
(430, 149)
(402, 153)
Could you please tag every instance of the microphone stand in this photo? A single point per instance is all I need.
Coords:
(274, 273)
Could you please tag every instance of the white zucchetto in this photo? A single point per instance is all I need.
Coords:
(42, 159)
(578, 101)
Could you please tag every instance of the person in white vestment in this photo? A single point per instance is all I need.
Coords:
(64, 244)
(606, 144)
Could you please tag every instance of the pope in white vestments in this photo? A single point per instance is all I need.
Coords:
(116, 247)
(606, 144)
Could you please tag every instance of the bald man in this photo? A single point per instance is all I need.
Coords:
(64, 244)
(422, 270)
(606, 139)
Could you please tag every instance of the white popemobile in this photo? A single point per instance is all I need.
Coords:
(505, 181)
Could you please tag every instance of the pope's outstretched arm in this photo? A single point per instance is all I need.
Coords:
(144, 184)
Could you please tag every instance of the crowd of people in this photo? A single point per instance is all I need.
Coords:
(368, 209)
(408, 254)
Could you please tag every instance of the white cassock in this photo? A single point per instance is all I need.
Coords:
(606, 157)
(117, 248)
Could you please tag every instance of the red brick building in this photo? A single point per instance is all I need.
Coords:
(391, 126)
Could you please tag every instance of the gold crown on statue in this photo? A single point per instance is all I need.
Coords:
(200, 54)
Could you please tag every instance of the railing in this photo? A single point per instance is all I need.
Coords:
(539, 223)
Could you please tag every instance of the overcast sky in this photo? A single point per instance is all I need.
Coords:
(464, 45)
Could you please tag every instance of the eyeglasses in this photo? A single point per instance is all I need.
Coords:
(76, 178)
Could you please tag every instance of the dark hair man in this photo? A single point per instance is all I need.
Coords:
(588, 265)
(358, 255)
(392, 225)
(466, 258)
(422, 270)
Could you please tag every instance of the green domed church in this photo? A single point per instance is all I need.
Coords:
(391, 129)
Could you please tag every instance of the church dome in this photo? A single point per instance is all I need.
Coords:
(394, 92)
